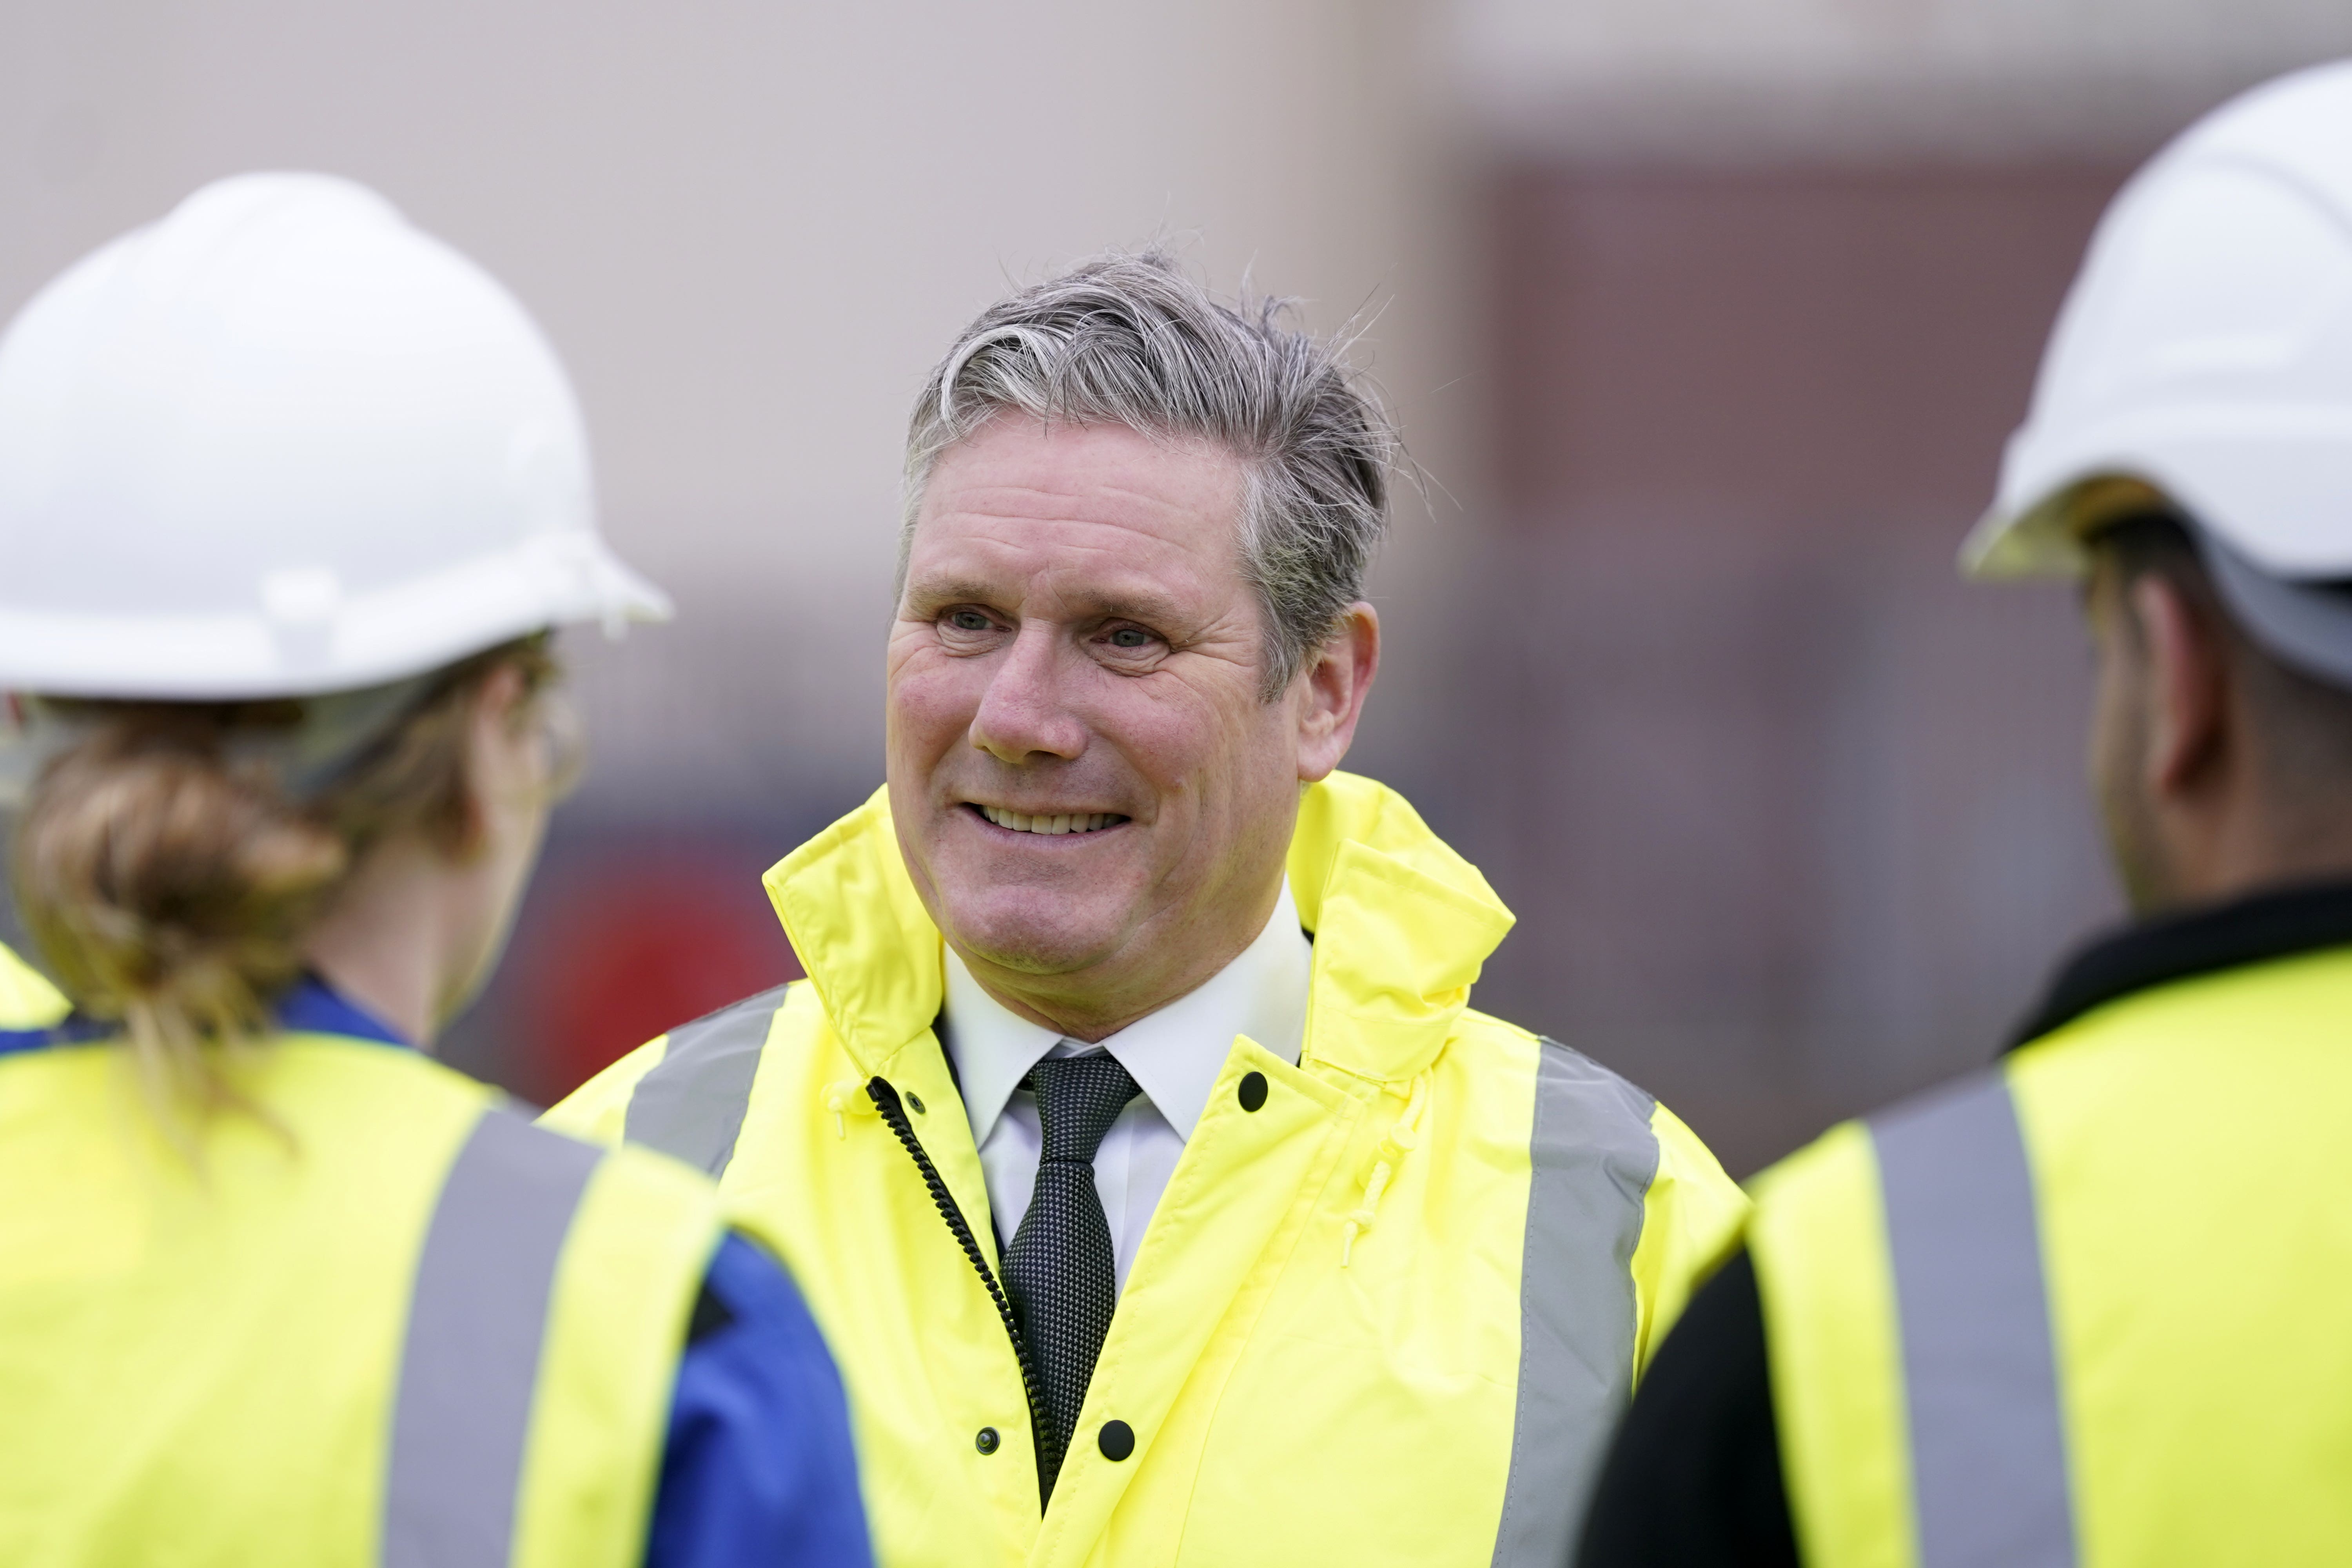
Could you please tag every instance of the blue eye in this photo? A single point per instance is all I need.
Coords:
(968, 620)
(1128, 636)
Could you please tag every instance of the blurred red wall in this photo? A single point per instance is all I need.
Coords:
(624, 935)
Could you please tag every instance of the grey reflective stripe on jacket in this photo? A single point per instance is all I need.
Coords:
(1988, 1476)
(469, 1367)
(691, 1105)
(1594, 1157)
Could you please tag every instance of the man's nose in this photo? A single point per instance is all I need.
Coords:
(1024, 714)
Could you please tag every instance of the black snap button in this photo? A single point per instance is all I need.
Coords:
(987, 1440)
(1117, 1440)
(916, 1101)
(1253, 1091)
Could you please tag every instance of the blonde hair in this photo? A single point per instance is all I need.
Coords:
(169, 872)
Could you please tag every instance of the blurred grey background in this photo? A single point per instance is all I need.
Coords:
(1704, 319)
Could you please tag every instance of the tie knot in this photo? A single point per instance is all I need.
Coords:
(1078, 1100)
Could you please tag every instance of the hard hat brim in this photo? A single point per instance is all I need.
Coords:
(2272, 480)
(334, 643)
(2008, 545)
(2305, 622)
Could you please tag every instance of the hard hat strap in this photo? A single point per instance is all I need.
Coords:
(309, 757)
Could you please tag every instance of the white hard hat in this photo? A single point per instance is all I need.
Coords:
(282, 442)
(2206, 347)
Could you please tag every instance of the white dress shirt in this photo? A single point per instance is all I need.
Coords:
(1174, 1056)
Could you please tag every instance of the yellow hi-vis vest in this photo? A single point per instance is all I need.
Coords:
(1389, 1309)
(396, 1326)
(27, 1000)
(2089, 1307)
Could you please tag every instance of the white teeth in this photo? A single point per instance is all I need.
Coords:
(1065, 822)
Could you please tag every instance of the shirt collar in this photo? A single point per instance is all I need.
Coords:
(2275, 923)
(1174, 1054)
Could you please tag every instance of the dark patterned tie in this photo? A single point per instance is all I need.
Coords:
(1061, 1272)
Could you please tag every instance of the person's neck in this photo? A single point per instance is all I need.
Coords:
(1094, 1003)
(2254, 846)
(382, 946)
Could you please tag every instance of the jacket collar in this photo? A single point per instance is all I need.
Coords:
(2277, 924)
(310, 1006)
(1175, 1053)
(1402, 925)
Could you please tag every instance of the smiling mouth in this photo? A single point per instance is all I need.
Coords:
(1049, 823)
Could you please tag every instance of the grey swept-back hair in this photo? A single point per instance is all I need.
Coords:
(1133, 340)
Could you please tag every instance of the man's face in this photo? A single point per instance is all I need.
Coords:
(1090, 791)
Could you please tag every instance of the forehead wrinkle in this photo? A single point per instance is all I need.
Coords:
(1069, 472)
(961, 531)
(1153, 516)
(1053, 546)
(1060, 565)
(1054, 549)
(1091, 538)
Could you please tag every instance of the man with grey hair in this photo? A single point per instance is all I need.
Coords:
(1162, 1196)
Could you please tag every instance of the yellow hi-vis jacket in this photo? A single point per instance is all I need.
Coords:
(2090, 1307)
(1386, 1313)
(27, 1000)
(392, 1325)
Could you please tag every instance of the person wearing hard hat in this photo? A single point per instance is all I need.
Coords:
(2089, 1305)
(290, 495)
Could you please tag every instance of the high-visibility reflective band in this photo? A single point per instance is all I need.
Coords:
(1593, 1158)
(1988, 1479)
(471, 1366)
(691, 1105)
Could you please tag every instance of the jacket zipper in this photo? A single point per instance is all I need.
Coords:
(1048, 1442)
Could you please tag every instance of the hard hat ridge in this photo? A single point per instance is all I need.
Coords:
(2306, 625)
(2206, 347)
(279, 443)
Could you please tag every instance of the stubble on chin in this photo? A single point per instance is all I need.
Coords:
(1019, 936)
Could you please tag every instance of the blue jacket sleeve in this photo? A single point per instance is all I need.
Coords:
(759, 1467)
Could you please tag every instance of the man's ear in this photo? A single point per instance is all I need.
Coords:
(500, 753)
(2187, 688)
(1332, 687)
